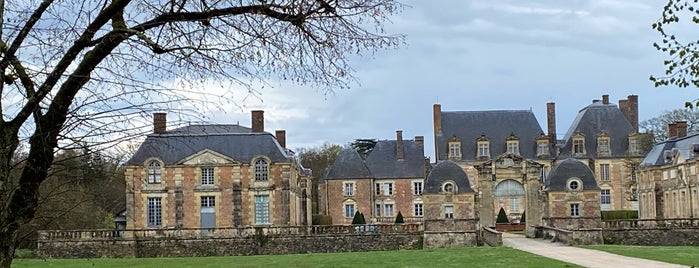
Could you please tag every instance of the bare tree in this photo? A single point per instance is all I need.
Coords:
(658, 125)
(86, 72)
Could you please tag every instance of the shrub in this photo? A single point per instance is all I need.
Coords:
(524, 217)
(363, 220)
(619, 215)
(358, 218)
(502, 217)
(399, 218)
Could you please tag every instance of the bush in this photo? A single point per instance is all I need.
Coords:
(502, 217)
(399, 218)
(524, 217)
(319, 219)
(24, 254)
(358, 218)
(619, 215)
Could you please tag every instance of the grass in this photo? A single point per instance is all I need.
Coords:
(685, 255)
(453, 257)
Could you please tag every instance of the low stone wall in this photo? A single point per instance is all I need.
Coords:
(658, 236)
(254, 245)
(491, 237)
(570, 237)
(506, 227)
(435, 239)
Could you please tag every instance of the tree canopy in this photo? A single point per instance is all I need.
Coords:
(658, 125)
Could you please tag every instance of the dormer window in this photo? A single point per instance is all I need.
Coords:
(455, 148)
(513, 144)
(154, 172)
(603, 148)
(633, 144)
(261, 170)
(483, 147)
(578, 144)
(574, 184)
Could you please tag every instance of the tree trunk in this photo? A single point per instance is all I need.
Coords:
(8, 237)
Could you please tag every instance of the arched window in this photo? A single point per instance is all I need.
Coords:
(261, 170)
(509, 188)
(154, 172)
(448, 187)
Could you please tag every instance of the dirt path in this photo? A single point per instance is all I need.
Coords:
(579, 256)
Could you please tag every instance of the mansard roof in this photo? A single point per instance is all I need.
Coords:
(495, 125)
(348, 165)
(557, 179)
(380, 163)
(443, 171)
(597, 118)
(234, 141)
(682, 146)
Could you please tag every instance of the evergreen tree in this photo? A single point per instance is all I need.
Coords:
(524, 217)
(357, 218)
(399, 218)
(502, 217)
(361, 218)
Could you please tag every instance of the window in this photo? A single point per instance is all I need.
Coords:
(377, 210)
(604, 172)
(349, 189)
(542, 148)
(154, 172)
(454, 150)
(154, 212)
(208, 201)
(634, 169)
(388, 210)
(349, 210)
(207, 176)
(543, 172)
(417, 188)
(514, 205)
(483, 149)
(448, 212)
(574, 185)
(513, 147)
(261, 209)
(605, 197)
(578, 146)
(633, 146)
(448, 188)
(385, 188)
(261, 170)
(603, 146)
(575, 210)
(417, 210)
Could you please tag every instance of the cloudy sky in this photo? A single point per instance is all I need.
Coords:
(481, 55)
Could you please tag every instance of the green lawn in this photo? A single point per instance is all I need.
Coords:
(685, 255)
(458, 257)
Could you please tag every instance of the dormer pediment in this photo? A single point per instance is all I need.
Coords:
(207, 157)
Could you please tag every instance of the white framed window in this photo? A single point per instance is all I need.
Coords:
(349, 210)
(448, 212)
(418, 210)
(349, 188)
(261, 170)
(575, 209)
(377, 210)
(154, 212)
(262, 209)
(542, 148)
(579, 145)
(604, 172)
(208, 201)
(514, 205)
(454, 149)
(154, 171)
(634, 170)
(633, 146)
(574, 185)
(384, 188)
(603, 146)
(483, 149)
(388, 210)
(417, 187)
(605, 199)
(207, 176)
(513, 147)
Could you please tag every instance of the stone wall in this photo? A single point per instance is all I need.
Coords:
(438, 239)
(570, 237)
(254, 245)
(688, 236)
(491, 237)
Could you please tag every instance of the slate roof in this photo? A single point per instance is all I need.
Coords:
(496, 125)
(570, 167)
(348, 165)
(381, 163)
(683, 146)
(447, 170)
(234, 141)
(594, 119)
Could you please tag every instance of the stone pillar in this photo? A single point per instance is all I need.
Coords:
(534, 208)
(486, 211)
(437, 123)
(237, 198)
(286, 197)
(179, 199)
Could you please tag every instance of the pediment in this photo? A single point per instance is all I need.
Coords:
(207, 157)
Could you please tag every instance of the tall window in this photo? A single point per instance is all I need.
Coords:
(634, 168)
(543, 172)
(604, 172)
(633, 146)
(385, 188)
(454, 150)
(261, 170)
(578, 146)
(207, 176)
(377, 210)
(349, 189)
(417, 210)
(513, 147)
(605, 199)
(417, 188)
(448, 212)
(483, 149)
(261, 209)
(154, 172)
(154, 212)
(542, 148)
(575, 210)
(349, 210)
(514, 205)
(603, 147)
(388, 210)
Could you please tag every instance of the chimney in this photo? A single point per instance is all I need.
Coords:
(399, 145)
(671, 130)
(258, 121)
(437, 121)
(551, 120)
(420, 141)
(681, 127)
(605, 99)
(159, 123)
(281, 137)
(629, 107)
